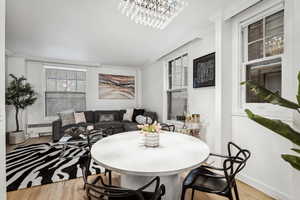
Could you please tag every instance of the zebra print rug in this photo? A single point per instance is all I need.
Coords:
(40, 164)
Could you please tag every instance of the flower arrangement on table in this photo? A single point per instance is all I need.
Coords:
(151, 134)
(150, 128)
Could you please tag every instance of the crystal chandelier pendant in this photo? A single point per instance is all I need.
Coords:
(153, 13)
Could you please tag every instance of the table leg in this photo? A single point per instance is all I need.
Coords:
(173, 184)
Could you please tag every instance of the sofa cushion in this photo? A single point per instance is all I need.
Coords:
(118, 116)
(137, 112)
(111, 124)
(106, 117)
(130, 126)
(152, 115)
(67, 117)
(89, 116)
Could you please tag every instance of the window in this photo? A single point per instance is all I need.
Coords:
(263, 49)
(177, 87)
(65, 89)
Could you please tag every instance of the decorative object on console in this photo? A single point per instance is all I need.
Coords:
(204, 71)
(151, 134)
(20, 95)
(154, 13)
(137, 112)
(79, 117)
(128, 115)
(67, 117)
(116, 86)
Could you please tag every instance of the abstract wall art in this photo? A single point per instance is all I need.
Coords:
(116, 86)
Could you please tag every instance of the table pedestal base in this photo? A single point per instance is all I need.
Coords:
(173, 184)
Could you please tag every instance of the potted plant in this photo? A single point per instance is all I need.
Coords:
(278, 126)
(151, 134)
(20, 95)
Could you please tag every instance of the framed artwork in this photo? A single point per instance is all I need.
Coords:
(116, 86)
(204, 71)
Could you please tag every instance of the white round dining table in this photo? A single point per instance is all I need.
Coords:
(126, 154)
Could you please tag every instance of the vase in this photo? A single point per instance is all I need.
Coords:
(151, 139)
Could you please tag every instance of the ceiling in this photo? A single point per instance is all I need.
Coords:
(95, 31)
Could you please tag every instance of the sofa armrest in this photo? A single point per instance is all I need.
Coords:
(56, 130)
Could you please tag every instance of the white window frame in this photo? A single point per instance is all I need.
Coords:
(44, 83)
(167, 86)
(239, 70)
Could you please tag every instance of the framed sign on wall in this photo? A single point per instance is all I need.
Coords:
(204, 71)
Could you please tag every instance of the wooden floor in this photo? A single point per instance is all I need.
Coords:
(73, 189)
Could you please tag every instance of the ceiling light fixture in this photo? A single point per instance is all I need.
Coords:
(154, 13)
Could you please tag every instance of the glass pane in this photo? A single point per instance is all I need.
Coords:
(60, 101)
(51, 73)
(266, 74)
(71, 85)
(62, 74)
(255, 50)
(274, 45)
(61, 85)
(177, 104)
(71, 75)
(80, 86)
(51, 85)
(255, 31)
(81, 76)
(275, 24)
(275, 34)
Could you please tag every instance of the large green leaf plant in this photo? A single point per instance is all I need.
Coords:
(277, 126)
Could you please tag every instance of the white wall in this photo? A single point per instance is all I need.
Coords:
(2, 101)
(200, 100)
(34, 72)
(265, 170)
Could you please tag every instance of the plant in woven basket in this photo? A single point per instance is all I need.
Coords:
(20, 95)
(277, 126)
(150, 128)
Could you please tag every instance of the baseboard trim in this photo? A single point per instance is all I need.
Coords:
(264, 188)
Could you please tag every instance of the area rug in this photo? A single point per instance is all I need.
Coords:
(40, 164)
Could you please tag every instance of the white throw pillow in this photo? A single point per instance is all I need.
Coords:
(79, 118)
(140, 119)
(128, 115)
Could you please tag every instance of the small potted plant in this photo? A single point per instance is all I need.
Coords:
(20, 95)
(151, 134)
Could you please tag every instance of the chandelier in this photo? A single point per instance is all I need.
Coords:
(154, 13)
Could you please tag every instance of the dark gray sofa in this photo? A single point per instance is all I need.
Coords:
(92, 118)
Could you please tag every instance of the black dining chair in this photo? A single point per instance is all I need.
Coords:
(167, 127)
(206, 178)
(97, 189)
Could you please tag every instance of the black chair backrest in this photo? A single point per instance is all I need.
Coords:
(235, 163)
(104, 190)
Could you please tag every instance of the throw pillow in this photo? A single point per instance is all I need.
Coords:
(140, 119)
(67, 117)
(79, 118)
(128, 115)
(137, 112)
(106, 118)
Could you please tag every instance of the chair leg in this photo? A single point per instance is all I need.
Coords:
(183, 193)
(109, 178)
(236, 192)
(193, 193)
(230, 195)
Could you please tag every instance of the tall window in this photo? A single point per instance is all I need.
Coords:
(177, 87)
(263, 49)
(65, 89)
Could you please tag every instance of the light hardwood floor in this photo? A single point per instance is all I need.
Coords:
(73, 189)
